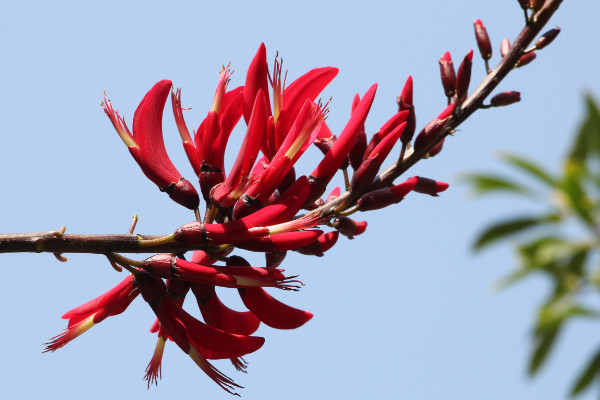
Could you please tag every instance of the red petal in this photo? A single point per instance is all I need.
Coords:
(272, 312)
(256, 79)
(220, 316)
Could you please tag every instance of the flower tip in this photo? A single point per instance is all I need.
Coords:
(407, 91)
(478, 22)
(441, 186)
(447, 57)
(470, 55)
(447, 112)
(361, 227)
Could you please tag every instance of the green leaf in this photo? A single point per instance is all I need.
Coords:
(578, 200)
(588, 137)
(591, 370)
(483, 184)
(530, 168)
(555, 312)
(545, 341)
(510, 227)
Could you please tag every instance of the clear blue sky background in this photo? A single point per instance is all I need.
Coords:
(405, 311)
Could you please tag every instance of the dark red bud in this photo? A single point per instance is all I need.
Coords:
(151, 287)
(526, 59)
(358, 150)
(209, 177)
(430, 186)
(387, 196)
(505, 98)
(407, 91)
(405, 103)
(274, 258)
(504, 47)
(350, 228)
(448, 75)
(463, 76)
(161, 265)
(435, 150)
(547, 38)
(184, 193)
(431, 131)
(483, 40)
(321, 245)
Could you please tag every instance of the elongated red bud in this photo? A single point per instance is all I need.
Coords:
(505, 98)
(321, 245)
(547, 38)
(386, 129)
(363, 177)
(358, 149)
(483, 40)
(526, 59)
(432, 130)
(349, 227)
(326, 169)
(463, 77)
(448, 74)
(381, 198)
(430, 186)
(504, 47)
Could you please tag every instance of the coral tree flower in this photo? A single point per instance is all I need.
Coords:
(255, 205)
(147, 147)
(200, 341)
(82, 318)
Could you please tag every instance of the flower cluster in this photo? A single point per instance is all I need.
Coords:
(257, 205)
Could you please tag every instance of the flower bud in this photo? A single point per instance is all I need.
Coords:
(381, 198)
(525, 59)
(274, 259)
(349, 227)
(321, 245)
(463, 77)
(504, 47)
(483, 40)
(505, 98)
(547, 38)
(448, 75)
(405, 103)
(430, 186)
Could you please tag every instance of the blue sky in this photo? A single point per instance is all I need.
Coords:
(403, 311)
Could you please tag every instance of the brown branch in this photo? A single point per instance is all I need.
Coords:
(57, 242)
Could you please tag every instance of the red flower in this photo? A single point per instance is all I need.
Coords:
(82, 318)
(198, 340)
(147, 147)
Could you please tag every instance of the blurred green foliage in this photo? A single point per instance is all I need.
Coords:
(561, 243)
